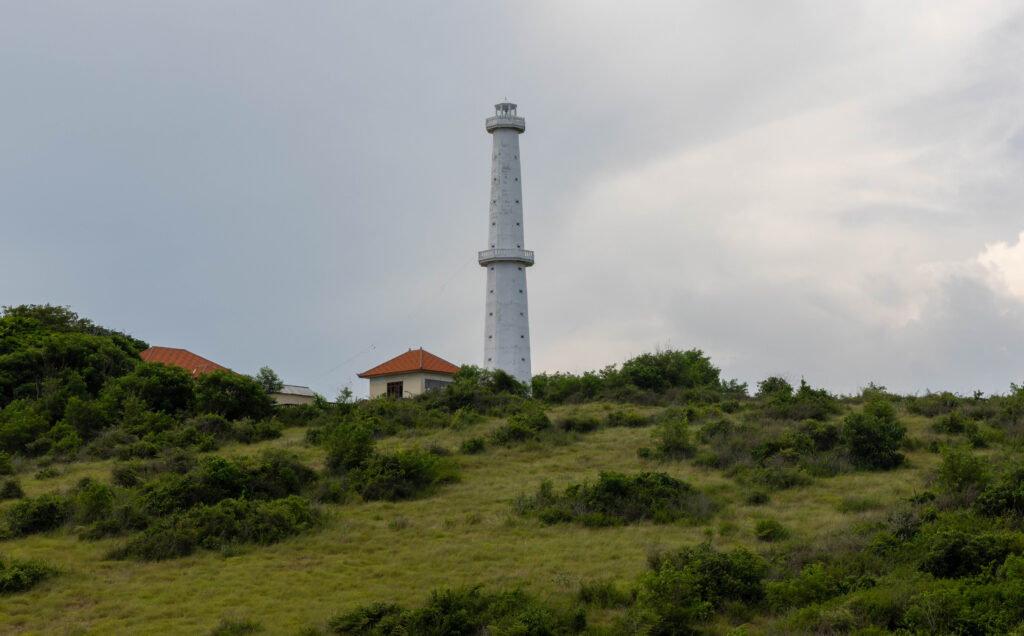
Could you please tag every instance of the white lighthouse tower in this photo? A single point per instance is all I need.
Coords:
(507, 324)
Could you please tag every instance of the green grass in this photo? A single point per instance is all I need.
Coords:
(465, 534)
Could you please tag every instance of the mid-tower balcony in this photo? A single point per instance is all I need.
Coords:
(506, 255)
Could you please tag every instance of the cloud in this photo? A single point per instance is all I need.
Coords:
(1004, 265)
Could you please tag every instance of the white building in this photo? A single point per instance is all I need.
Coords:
(292, 394)
(409, 374)
(507, 323)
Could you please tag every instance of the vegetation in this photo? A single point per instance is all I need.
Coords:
(18, 576)
(615, 499)
(461, 611)
(652, 497)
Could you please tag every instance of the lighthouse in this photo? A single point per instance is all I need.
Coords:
(507, 323)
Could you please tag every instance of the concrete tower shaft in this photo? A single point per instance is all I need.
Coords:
(507, 323)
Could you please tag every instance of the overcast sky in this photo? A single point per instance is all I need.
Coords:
(833, 191)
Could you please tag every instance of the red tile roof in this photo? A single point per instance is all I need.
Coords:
(412, 360)
(187, 360)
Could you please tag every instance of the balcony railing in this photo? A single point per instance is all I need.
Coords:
(505, 121)
(499, 255)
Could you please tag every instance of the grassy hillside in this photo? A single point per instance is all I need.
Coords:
(800, 512)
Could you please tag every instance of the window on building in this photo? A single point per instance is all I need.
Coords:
(395, 389)
(430, 385)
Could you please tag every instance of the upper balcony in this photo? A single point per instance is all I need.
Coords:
(505, 117)
(506, 255)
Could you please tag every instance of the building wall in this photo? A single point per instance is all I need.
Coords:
(412, 382)
(289, 399)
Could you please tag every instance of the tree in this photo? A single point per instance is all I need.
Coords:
(874, 435)
(232, 396)
(268, 380)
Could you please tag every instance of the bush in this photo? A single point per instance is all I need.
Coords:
(473, 445)
(955, 554)
(666, 369)
(579, 423)
(232, 396)
(961, 470)
(270, 476)
(521, 427)
(617, 499)
(770, 530)
(6, 466)
(45, 512)
(756, 498)
(467, 611)
(813, 585)
(402, 475)
(672, 439)
(1003, 498)
(687, 587)
(348, 447)
(18, 576)
(628, 419)
(236, 627)
(874, 436)
(212, 527)
(604, 594)
(11, 489)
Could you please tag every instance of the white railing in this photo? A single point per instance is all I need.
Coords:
(514, 255)
(518, 123)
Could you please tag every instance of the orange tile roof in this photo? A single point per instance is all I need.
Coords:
(412, 360)
(181, 358)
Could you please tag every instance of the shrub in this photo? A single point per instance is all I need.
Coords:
(91, 501)
(687, 587)
(579, 423)
(955, 554)
(933, 404)
(874, 435)
(628, 419)
(6, 467)
(666, 369)
(770, 530)
(232, 396)
(961, 470)
(955, 422)
(813, 585)
(45, 512)
(756, 498)
(18, 576)
(1003, 498)
(229, 521)
(672, 439)
(473, 445)
(402, 475)
(11, 489)
(617, 499)
(348, 447)
(604, 594)
(521, 427)
(236, 627)
(467, 611)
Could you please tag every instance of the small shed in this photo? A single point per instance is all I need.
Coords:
(415, 371)
(291, 395)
